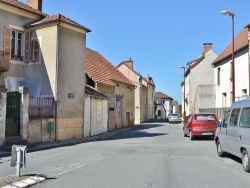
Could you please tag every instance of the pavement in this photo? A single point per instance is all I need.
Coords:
(48, 145)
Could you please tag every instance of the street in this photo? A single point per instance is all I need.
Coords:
(152, 155)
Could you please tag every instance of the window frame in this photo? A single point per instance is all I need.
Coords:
(18, 48)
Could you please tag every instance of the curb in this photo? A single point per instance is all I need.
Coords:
(27, 182)
(102, 136)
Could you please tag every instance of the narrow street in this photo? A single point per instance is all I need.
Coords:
(151, 155)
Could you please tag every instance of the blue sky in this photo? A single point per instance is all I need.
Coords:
(159, 35)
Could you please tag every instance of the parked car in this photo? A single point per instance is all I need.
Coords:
(233, 133)
(200, 124)
(174, 118)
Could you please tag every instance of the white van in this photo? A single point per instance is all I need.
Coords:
(233, 133)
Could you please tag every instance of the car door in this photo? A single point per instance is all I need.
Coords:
(244, 128)
(222, 131)
(232, 132)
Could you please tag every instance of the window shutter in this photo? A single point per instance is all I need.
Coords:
(7, 41)
(35, 50)
(27, 46)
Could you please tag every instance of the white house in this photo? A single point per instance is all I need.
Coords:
(198, 75)
(223, 71)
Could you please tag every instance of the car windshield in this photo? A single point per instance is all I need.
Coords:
(205, 117)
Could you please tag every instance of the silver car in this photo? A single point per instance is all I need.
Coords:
(174, 118)
(233, 133)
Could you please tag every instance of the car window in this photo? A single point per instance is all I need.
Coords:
(205, 117)
(225, 120)
(234, 117)
(245, 118)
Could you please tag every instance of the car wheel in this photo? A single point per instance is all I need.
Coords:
(191, 135)
(219, 149)
(245, 161)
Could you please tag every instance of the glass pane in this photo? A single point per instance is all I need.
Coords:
(13, 44)
(205, 117)
(234, 117)
(245, 118)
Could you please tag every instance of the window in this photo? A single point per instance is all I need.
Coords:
(146, 100)
(16, 44)
(225, 120)
(35, 50)
(218, 76)
(205, 117)
(234, 117)
(245, 118)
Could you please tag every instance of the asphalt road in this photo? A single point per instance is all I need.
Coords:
(154, 155)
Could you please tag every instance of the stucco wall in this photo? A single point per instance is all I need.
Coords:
(38, 131)
(128, 93)
(201, 74)
(241, 78)
(70, 86)
(16, 22)
(44, 70)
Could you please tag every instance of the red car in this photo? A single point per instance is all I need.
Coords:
(200, 124)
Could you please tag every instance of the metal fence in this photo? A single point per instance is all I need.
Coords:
(218, 111)
(41, 106)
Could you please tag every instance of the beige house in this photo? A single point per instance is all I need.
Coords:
(103, 76)
(144, 92)
(38, 51)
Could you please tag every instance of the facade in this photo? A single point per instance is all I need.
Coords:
(95, 112)
(37, 51)
(104, 76)
(223, 71)
(163, 105)
(144, 92)
(197, 70)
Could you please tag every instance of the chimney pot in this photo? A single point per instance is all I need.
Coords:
(35, 4)
(207, 47)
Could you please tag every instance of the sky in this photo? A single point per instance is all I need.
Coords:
(159, 35)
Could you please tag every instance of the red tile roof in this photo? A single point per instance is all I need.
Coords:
(18, 4)
(240, 43)
(60, 17)
(102, 71)
(93, 92)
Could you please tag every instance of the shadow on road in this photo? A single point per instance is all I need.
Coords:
(137, 132)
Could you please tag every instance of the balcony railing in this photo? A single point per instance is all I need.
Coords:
(4, 61)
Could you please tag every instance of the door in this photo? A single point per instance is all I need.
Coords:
(13, 114)
(232, 132)
(222, 131)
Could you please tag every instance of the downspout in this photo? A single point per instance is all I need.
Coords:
(56, 81)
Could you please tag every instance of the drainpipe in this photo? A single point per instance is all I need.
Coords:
(56, 81)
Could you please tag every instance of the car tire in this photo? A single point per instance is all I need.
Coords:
(219, 149)
(245, 161)
(191, 136)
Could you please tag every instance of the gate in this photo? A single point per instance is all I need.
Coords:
(13, 114)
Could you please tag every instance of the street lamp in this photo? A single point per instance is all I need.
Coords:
(184, 112)
(227, 13)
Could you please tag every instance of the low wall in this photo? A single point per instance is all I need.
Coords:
(38, 130)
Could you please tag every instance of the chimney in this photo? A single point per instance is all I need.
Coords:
(129, 63)
(207, 47)
(35, 4)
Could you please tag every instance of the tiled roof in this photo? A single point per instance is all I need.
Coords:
(145, 79)
(93, 92)
(240, 43)
(160, 95)
(18, 4)
(60, 17)
(102, 71)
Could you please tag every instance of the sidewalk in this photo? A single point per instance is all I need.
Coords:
(49, 145)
